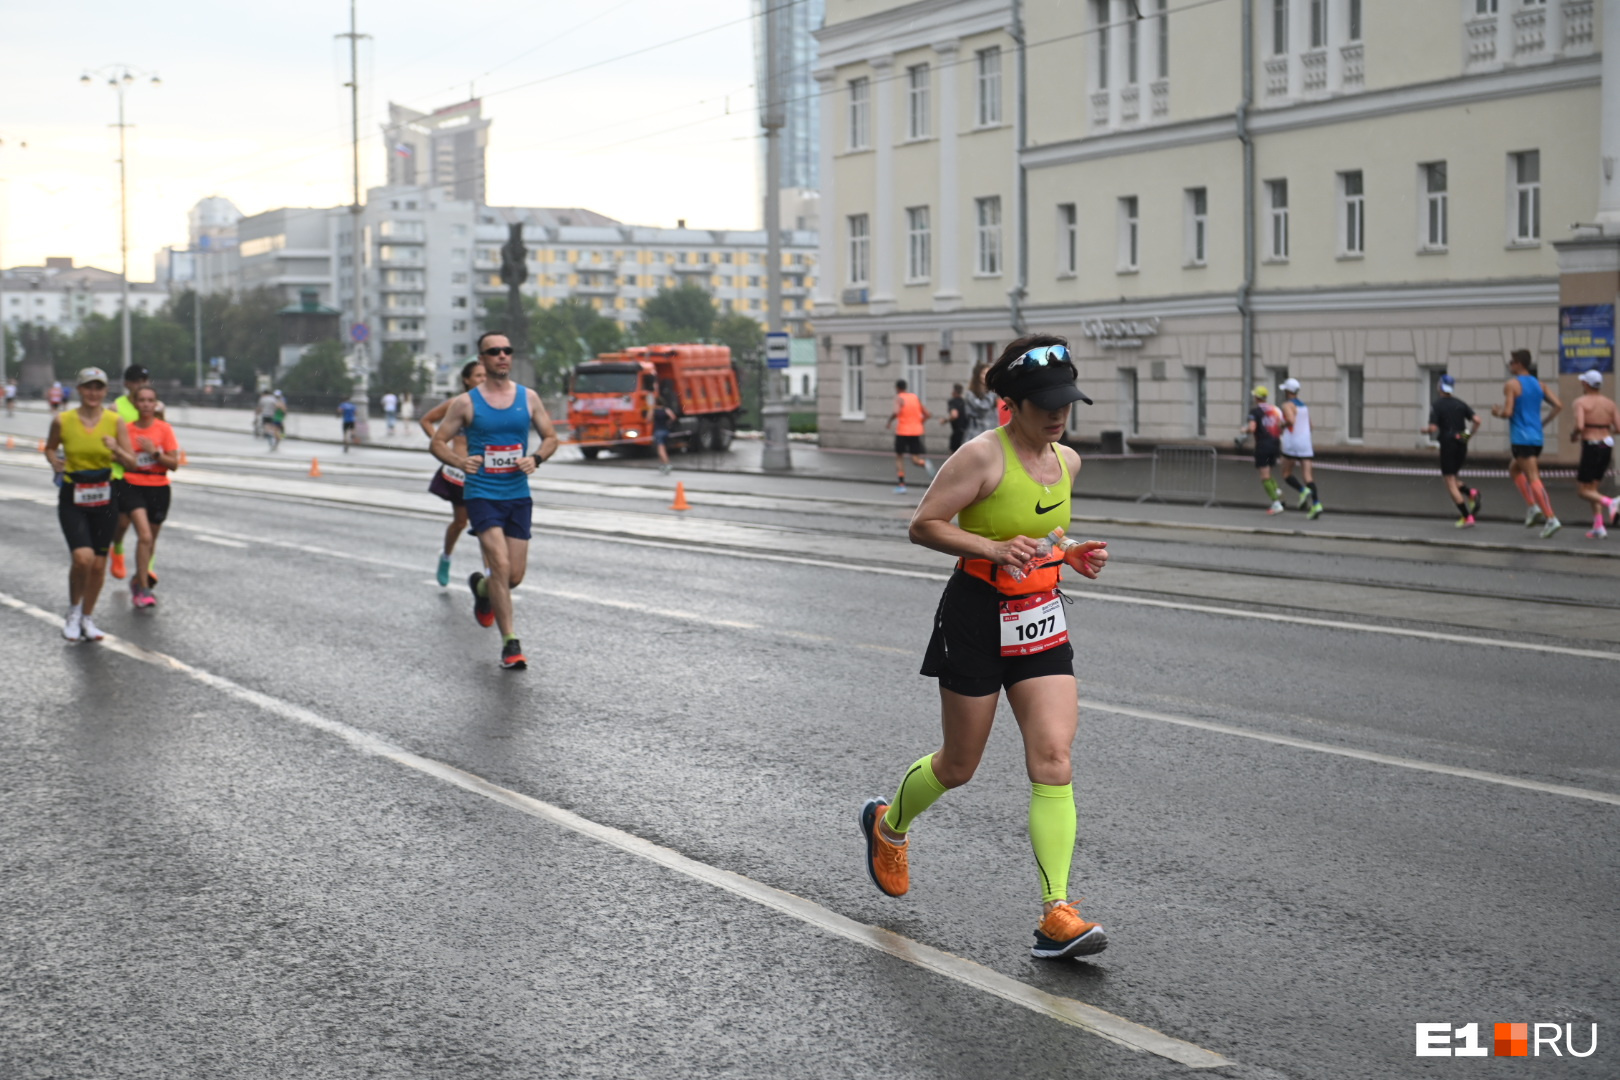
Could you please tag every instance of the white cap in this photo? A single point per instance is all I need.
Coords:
(1592, 378)
(1290, 386)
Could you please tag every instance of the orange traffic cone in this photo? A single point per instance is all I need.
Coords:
(680, 502)
(11, 443)
(314, 466)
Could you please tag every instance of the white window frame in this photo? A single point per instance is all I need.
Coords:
(1279, 28)
(1318, 13)
(1277, 239)
(1133, 52)
(1130, 233)
(1161, 52)
(1485, 7)
(1104, 29)
(1352, 213)
(915, 371)
(860, 113)
(919, 101)
(1129, 410)
(919, 245)
(859, 230)
(852, 405)
(1428, 393)
(1068, 222)
(1434, 207)
(1353, 401)
(987, 65)
(987, 249)
(1196, 203)
(1524, 200)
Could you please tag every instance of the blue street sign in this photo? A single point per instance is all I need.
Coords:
(777, 351)
(359, 331)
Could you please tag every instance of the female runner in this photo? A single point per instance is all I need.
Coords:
(145, 492)
(1007, 489)
(91, 438)
(448, 481)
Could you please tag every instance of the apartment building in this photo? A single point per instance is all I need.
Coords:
(62, 296)
(1412, 164)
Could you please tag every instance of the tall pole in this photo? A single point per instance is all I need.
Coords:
(357, 316)
(196, 319)
(774, 412)
(1020, 289)
(123, 225)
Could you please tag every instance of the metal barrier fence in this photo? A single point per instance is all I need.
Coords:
(1183, 473)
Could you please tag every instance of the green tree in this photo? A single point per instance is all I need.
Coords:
(321, 370)
(399, 372)
(677, 315)
(560, 336)
(155, 342)
(743, 335)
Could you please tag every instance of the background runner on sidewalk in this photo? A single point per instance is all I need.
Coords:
(1522, 397)
(1266, 424)
(1297, 446)
(1453, 423)
(1597, 421)
(908, 418)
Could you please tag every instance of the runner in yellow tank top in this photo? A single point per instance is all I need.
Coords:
(1000, 626)
(91, 439)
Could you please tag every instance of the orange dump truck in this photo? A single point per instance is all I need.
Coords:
(610, 404)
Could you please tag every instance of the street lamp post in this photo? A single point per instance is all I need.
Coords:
(119, 77)
(4, 373)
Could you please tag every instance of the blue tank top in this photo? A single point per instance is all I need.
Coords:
(500, 437)
(1526, 429)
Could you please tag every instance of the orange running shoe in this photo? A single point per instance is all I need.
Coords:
(117, 567)
(1063, 933)
(885, 860)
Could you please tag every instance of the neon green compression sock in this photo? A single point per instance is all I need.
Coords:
(483, 587)
(1051, 834)
(917, 793)
(508, 637)
(1271, 489)
(118, 548)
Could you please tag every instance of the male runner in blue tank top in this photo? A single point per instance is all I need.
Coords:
(497, 418)
(1522, 396)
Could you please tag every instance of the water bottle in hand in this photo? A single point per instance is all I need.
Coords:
(1053, 539)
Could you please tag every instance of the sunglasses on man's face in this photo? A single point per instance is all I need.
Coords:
(503, 350)
(1042, 356)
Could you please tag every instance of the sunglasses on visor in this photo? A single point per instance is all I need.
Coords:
(1042, 356)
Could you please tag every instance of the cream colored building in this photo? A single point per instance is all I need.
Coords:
(1410, 164)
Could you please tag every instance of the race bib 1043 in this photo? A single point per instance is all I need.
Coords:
(502, 459)
(1032, 624)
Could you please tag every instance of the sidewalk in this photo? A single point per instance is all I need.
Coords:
(1106, 489)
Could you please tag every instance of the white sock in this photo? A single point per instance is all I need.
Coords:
(77, 609)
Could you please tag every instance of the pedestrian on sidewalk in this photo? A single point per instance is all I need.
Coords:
(662, 417)
(1453, 423)
(1296, 446)
(11, 397)
(1266, 424)
(1522, 398)
(390, 404)
(956, 416)
(346, 412)
(981, 404)
(1597, 420)
(909, 416)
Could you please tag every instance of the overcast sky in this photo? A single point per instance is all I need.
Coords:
(252, 108)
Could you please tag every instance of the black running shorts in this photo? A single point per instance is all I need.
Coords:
(909, 444)
(1264, 459)
(1595, 458)
(1453, 455)
(153, 498)
(86, 526)
(964, 653)
(1526, 450)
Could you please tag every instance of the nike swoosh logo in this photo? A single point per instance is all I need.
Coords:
(1039, 509)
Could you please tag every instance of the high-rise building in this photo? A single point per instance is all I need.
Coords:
(800, 139)
(443, 149)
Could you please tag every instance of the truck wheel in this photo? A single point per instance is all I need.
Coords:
(703, 439)
(590, 452)
(721, 439)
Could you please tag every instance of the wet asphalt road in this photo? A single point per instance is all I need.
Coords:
(196, 886)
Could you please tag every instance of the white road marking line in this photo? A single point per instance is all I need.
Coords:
(222, 541)
(930, 575)
(1360, 755)
(1106, 1025)
(1336, 624)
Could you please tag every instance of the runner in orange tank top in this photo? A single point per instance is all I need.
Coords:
(911, 415)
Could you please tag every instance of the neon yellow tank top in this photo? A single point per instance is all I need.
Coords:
(84, 449)
(1020, 505)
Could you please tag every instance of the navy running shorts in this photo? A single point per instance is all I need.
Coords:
(512, 516)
